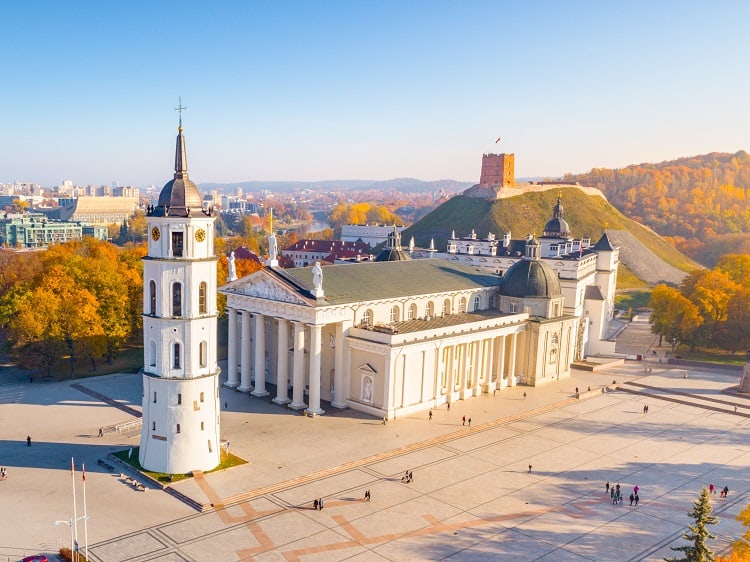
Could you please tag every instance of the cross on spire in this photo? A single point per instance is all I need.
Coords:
(179, 109)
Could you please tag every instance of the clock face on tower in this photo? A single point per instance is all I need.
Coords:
(155, 234)
(200, 235)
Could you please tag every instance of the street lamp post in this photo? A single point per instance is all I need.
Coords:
(71, 523)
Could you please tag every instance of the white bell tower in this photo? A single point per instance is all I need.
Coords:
(180, 374)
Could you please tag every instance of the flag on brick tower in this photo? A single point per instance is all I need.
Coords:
(498, 140)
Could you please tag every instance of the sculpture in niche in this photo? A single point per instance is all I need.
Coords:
(367, 389)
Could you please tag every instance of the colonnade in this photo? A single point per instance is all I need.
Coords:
(254, 350)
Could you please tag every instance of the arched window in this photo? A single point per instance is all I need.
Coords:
(203, 354)
(202, 426)
(152, 353)
(202, 295)
(179, 399)
(477, 302)
(394, 314)
(152, 298)
(446, 307)
(430, 310)
(176, 356)
(153, 426)
(178, 428)
(461, 305)
(411, 313)
(177, 299)
(202, 397)
(367, 317)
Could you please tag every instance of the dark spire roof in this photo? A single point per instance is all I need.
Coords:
(392, 250)
(180, 196)
(557, 227)
(604, 245)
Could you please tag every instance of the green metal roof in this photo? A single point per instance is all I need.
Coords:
(370, 281)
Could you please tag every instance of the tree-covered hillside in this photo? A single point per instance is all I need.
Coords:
(694, 200)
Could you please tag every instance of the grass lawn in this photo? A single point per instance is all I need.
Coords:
(634, 299)
(228, 460)
(130, 360)
(713, 356)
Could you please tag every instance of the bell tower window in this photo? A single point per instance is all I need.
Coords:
(202, 294)
(152, 298)
(177, 299)
(177, 244)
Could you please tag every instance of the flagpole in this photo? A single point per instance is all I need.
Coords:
(85, 516)
(74, 530)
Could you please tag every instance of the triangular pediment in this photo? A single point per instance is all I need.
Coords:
(261, 284)
(367, 368)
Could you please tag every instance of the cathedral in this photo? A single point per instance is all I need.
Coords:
(400, 335)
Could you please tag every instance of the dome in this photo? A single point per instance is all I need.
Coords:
(530, 278)
(393, 254)
(179, 196)
(557, 227)
(392, 250)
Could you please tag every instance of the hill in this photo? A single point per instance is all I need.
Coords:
(643, 251)
(694, 200)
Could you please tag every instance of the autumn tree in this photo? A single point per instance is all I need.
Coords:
(673, 316)
(698, 534)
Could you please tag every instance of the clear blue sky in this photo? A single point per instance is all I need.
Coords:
(365, 89)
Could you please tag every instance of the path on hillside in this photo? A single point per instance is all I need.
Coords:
(643, 262)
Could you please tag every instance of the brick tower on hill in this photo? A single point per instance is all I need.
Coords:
(498, 171)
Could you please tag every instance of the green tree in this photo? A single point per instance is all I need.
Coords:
(698, 534)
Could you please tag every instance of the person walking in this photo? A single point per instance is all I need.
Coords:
(632, 499)
(320, 504)
(636, 500)
(463, 420)
(711, 488)
(606, 487)
(529, 469)
(385, 420)
(524, 395)
(367, 495)
(315, 504)
(101, 432)
(429, 415)
(612, 494)
(28, 440)
(726, 491)
(469, 420)
(449, 406)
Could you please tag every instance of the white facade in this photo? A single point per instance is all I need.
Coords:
(180, 376)
(373, 234)
(387, 338)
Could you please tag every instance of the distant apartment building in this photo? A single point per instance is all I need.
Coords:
(307, 252)
(35, 230)
(372, 234)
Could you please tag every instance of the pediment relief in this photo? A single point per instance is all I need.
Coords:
(367, 368)
(264, 287)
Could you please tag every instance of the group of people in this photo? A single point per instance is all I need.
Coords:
(616, 494)
(3, 473)
(464, 419)
(318, 504)
(407, 477)
(724, 491)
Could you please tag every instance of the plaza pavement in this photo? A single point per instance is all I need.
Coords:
(472, 497)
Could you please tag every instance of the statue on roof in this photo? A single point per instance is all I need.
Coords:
(317, 273)
(232, 267)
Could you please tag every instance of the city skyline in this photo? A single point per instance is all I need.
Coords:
(313, 92)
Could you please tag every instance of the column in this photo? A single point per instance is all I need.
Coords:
(315, 349)
(282, 363)
(245, 385)
(298, 375)
(339, 386)
(232, 375)
(512, 366)
(464, 368)
(501, 363)
(260, 356)
(478, 366)
(490, 364)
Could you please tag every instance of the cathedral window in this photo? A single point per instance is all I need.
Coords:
(152, 353)
(430, 310)
(203, 398)
(461, 305)
(446, 307)
(202, 295)
(203, 354)
(178, 428)
(202, 426)
(179, 399)
(152, 298)
(176, 356)
(394, 314)
(477, 302)
(177, 299)
(154, 397)
(177, 244)
(153, 426)
(411, 313)
(367, 317)
(513, 307)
